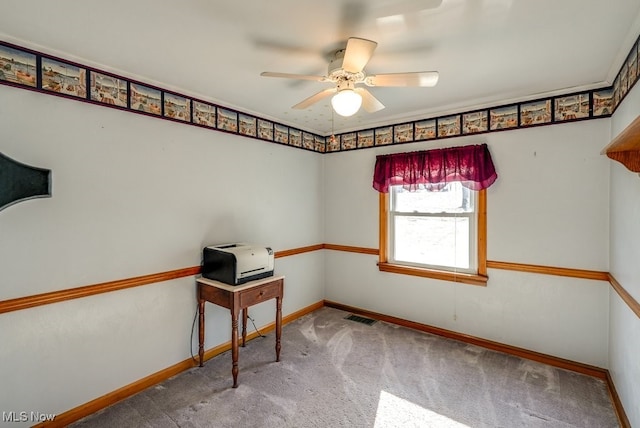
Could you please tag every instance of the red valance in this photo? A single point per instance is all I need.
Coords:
(470, 165)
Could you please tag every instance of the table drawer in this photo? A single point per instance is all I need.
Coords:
(257, 295)
(215, 295)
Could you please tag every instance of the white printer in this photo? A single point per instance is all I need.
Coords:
(236, 264)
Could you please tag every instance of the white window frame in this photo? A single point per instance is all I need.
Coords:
(472, 238)
(476, 277)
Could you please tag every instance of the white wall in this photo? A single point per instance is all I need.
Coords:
(624, 335)
(134, 195)
(549, 206)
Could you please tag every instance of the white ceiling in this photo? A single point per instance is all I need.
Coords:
(488, 52)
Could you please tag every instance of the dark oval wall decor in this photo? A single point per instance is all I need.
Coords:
(20, 182)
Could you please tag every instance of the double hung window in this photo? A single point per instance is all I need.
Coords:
(433, 212)
(434, 229)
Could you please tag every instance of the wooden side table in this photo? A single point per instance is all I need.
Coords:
(234, 298)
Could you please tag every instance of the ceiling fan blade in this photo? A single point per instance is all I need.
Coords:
(419, 78)
(369, 102)
(357, 54)
(314, 98)
(294, 76)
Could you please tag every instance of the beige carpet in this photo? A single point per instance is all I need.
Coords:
(336, 372)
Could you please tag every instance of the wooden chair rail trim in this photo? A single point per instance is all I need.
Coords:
(625, 296)
(520, 267)
(90, 290)
(351, 249)
(301, 250)
(549, 270)
(26, 302)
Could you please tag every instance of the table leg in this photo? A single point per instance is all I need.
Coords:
(234, 347)
(278, 326)
(245, 315)
(201, 330)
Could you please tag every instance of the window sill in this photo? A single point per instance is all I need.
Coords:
(465, 278)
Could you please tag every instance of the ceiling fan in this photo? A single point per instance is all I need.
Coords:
(346, 70)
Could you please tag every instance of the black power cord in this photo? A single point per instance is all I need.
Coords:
(256, 328)
(193, 327)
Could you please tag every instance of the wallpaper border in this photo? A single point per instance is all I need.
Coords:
(36, 71)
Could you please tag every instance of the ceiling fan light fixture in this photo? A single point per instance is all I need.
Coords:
(346, 102)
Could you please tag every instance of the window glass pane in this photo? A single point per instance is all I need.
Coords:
(438, 241)
(453, 198)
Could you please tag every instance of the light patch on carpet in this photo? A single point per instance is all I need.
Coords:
(394, 411)
(309, 331)
(540, 375)
(340, 345)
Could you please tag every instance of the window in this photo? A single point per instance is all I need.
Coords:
(439, 230)
(434, 233)
(434, 229)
